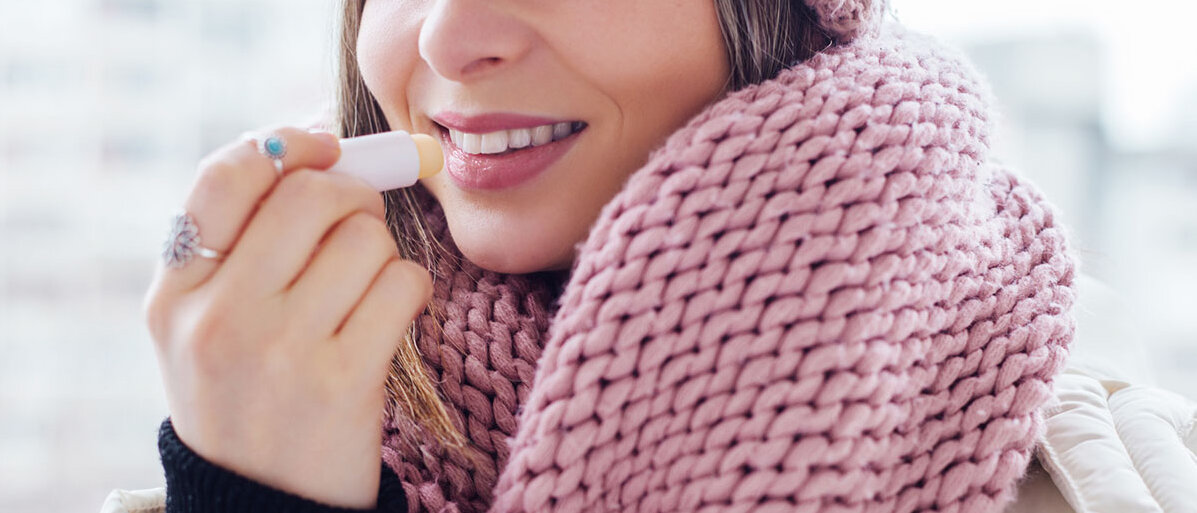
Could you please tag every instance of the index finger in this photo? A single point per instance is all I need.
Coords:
(231, 183)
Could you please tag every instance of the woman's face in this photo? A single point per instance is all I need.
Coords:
(544, 107)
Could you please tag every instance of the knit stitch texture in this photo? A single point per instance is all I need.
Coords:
(819, 295)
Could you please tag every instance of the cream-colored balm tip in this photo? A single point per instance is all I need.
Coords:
(390, 160)
(432, 156)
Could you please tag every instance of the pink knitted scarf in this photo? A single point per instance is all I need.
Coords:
(819, 295)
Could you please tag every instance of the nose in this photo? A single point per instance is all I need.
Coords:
(463, 40)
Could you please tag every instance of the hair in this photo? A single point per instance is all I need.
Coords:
(762, 37)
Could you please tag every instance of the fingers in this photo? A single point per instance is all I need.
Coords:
(379, 322)
(230, 184)
(341, 272)
(291, 222)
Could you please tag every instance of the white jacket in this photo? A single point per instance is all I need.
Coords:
(1112, 443)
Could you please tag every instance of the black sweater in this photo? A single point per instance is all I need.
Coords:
(195, 485)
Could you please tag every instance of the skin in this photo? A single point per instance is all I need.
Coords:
(274, 358)
(625, 67)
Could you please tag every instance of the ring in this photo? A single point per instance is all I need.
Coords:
(274, 147)
(183, 243)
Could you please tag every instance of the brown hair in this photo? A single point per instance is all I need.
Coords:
(762, 37)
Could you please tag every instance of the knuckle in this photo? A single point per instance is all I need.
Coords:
(422, 281)
(218, 176)
(357, 193)
(205, 331)
(218, 157)
(360, 191)
(286, 131)
(368, 231)
(403, 278)
(305, 147)
(362, 225)
(329, 193)
(306, 188)
(156, 315)
(213, 330)
(392, 276)
(373, 200)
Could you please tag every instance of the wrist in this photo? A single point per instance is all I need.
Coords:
(331, 462)
(195, 485)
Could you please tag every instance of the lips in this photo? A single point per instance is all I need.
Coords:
(505, 167)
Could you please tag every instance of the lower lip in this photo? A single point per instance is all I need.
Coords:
(505, 170)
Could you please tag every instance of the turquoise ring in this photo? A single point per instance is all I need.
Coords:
(274, 147)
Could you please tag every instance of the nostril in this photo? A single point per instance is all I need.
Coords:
(469, 40)
(481, 65)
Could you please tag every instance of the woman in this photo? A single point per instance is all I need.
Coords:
(695, 255)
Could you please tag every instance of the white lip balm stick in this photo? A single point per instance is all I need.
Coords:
(390, 160)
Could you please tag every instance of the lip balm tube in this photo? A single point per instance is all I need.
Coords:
(390, 160)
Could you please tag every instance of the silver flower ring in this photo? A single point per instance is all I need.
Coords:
(183, 243)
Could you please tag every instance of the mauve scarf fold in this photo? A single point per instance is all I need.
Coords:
(819, 295)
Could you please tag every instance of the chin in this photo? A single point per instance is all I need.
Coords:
(511, 251)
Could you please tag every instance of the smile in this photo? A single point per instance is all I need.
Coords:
(500, 151)
(502, 141)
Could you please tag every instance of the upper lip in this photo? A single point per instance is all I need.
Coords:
(491, 122)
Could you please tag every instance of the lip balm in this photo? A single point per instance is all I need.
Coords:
(390, 160)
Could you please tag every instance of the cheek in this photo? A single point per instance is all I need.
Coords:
(651, 58)
(650, 75)
(387, 55)
(654, 72)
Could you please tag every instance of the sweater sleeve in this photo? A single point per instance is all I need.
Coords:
(195, 485)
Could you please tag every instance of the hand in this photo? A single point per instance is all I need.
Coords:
(274, 360)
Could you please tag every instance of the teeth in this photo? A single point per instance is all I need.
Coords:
(560, 130)
(542, 135)
(494, 142)
(471, 143)
(502, 140)
(519, 138)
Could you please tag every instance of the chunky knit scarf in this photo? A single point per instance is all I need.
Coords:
(819, 295)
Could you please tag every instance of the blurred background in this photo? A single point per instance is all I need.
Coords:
(107, 105)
